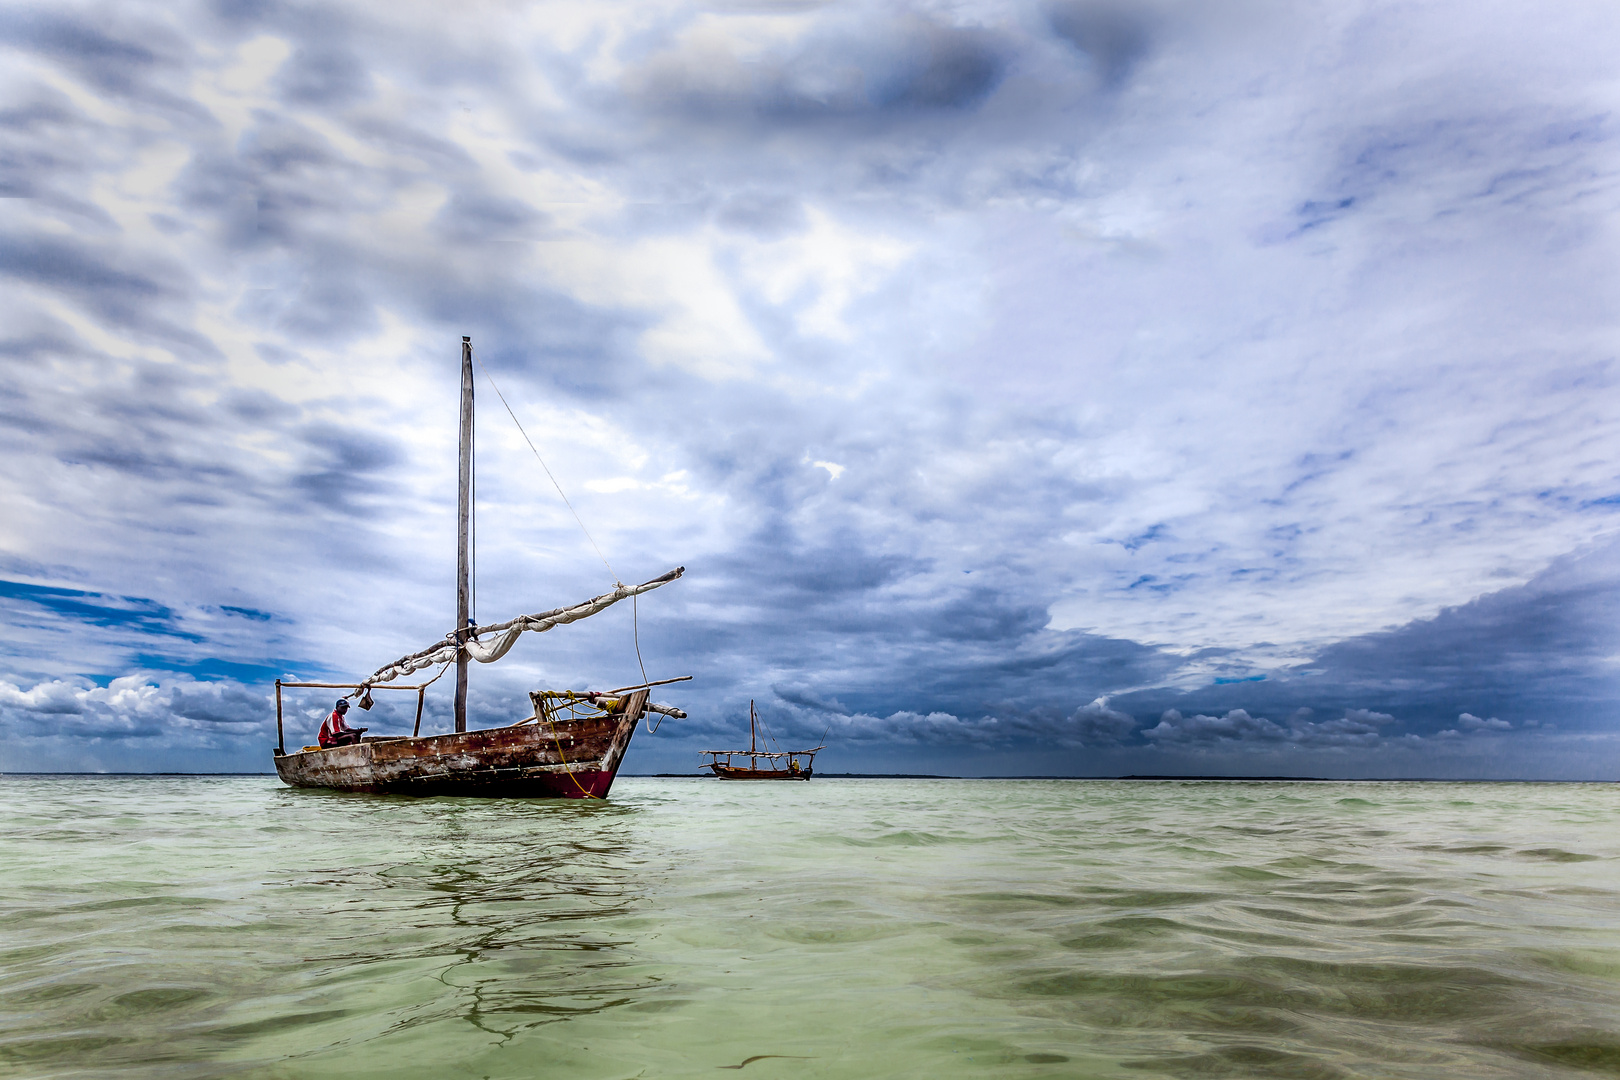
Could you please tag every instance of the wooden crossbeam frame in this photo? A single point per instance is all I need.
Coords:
(281, 742)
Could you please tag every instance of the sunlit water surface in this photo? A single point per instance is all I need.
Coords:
(202, 927)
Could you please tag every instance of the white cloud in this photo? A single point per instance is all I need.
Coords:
(905, 726)
(1095, 723)
(1357, 728)
(821, 270)
(1236, 726)
(1470, 722)
(834, 470)
(133, 705)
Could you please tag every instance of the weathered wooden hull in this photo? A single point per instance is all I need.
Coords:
(731, 772)
(574, 759)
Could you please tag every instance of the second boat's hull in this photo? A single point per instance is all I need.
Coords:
(729, 772)
(576, 759)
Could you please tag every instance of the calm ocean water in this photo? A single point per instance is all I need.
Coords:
(210, 927)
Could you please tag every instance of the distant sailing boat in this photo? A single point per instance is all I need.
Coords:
(779, 765)
(570, 748)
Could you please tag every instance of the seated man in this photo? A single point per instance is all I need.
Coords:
(335, 733)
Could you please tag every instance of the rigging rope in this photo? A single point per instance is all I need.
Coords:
(361, 689)
(547, 468)
(768, 734)
(439, 676)
(635, 624)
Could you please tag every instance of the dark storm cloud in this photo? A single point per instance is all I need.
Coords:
(940, 68)
(324, 74)
(284, 186)
(1525, 659)
(837, 613)
(114, 59)
(142, 423)
(218, 703)
(969, 653)
(1114, 37)
(900, 104)
(346, 467)
(131, 297)
(869, 70)
(777, 568)
(1536, 654)
(1096, 724)
(765, 214)
(1512, 652)
(35, 146)
(473, 217)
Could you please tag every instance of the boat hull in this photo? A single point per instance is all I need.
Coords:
(730, 772)
(573, 759)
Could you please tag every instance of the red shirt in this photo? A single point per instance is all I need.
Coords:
(333, 727)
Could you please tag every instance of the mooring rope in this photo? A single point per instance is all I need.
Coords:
(561, 757)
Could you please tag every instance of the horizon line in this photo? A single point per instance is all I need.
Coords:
(1155, 778)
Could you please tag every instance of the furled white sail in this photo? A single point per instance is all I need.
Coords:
(508, 632)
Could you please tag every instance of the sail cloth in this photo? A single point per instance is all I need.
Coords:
(509, 631)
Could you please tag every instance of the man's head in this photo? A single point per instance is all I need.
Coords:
(342, 705)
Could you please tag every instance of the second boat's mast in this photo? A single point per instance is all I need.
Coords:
(463, 521)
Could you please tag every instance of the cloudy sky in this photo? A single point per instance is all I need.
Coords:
(1087, 387)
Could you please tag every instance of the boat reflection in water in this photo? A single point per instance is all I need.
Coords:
(779, 764)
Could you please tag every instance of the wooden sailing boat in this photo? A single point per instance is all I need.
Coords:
(779, 764)
(570, 747)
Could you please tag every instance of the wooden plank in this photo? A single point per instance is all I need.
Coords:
(353, 685)
(655, 682)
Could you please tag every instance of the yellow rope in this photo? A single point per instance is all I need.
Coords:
(564, 760)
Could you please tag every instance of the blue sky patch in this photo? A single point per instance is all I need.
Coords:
(99, 609)
(213, 668)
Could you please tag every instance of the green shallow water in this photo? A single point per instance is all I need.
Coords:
(209, 927)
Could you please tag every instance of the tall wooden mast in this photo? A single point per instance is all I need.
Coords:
(463, 522)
